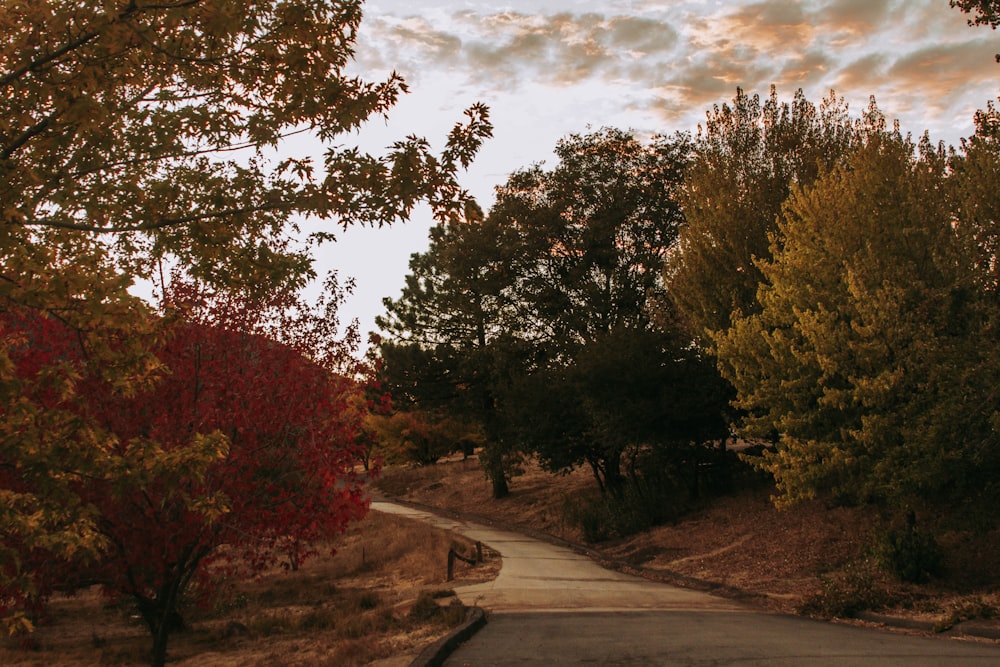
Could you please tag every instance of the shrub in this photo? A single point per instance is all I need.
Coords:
(909, 553)
(845, 593)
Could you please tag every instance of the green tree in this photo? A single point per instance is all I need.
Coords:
(446, 349)
(624, 395)
(591, 235)
(136, 132)
(747, 158)
(526, 318)
(869, 355)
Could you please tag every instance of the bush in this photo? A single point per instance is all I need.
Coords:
(845, 593)
(425, 608)
(663, 485)
(909, 553)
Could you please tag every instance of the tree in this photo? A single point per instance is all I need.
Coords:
(870, 356)
(447, 349)
(241, 456)
(134, 134)
(627, 394)
(985, 12)
(591, 236)
(747, 159)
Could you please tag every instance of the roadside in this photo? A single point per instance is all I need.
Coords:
(379, 600)
(812, 560)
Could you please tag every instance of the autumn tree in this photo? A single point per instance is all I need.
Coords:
(871, 355)
(241, 456)
(133, 132)
(748, 157)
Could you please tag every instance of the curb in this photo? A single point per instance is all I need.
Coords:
(435, 654)
(972, 628)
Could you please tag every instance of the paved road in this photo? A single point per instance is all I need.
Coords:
(550, 605)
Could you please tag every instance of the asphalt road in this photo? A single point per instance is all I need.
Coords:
(550, 605)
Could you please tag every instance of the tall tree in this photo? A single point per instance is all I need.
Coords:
(133, 132)
(591, 234)
(528, 311)
(870, 356)
(447, 335)
(747, 158)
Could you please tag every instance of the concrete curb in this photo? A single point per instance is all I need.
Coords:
(973, 628)
(435, 654)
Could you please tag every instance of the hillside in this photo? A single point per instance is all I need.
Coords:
(812, 559)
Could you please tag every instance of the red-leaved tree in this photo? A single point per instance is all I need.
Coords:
(240, 456)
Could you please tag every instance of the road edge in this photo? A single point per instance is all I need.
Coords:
(435, 654)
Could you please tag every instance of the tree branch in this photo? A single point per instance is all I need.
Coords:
(152, 226)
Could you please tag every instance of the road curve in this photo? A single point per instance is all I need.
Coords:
(550, 605)
(537, 575)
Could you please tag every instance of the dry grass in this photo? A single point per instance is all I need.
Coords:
(349, 609)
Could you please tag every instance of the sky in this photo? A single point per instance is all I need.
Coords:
(549, 68)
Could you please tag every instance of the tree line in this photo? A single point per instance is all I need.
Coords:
(792, 275)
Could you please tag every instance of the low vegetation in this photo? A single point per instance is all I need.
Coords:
(383, 595)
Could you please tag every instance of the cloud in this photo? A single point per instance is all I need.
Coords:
(769, 26)
(848, 21)
(507, 48)
(672, 62)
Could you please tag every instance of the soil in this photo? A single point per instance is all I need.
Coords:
(812, 559)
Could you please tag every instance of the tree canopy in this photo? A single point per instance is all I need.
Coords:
(526, 317)
(748, 157)
(984, 12)
(872, 353)
(242, 453)
(141, 135)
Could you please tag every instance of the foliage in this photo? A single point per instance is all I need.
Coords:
(134, 135)
(416, 437)
(590, 235)
(448, 348)
(120, 118)
(535, 319)
(748, 157)
(845, 593)
(626, 392)
(241, 455)
(910, 553)
(662, 484)
(871, 354)
(985, 12)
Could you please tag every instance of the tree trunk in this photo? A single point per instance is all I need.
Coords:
(161, 619)
(500, 487)
(614, 481)
(492, 461)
